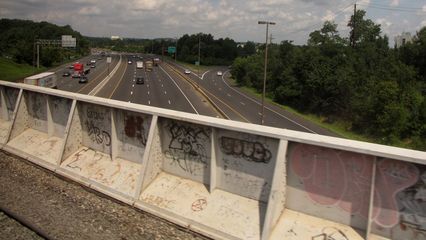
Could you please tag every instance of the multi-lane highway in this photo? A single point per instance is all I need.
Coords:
(161, 88)
(241, 106)
(167, 86)
(95, 76)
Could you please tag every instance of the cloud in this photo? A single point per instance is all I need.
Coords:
(236, 19)
(394, 3)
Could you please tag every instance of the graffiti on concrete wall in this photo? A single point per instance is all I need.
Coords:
(94, 123)
(412, 205)
(343, 179)
(248, 150)
(188, 146)
(134, 128)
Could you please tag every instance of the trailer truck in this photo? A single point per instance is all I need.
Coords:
(80, 70)
(46, 79)
(139, 64)
(148, 66)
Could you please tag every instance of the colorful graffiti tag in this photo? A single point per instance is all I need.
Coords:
(343, 179)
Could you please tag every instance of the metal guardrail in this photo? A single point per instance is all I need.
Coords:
(225, 179)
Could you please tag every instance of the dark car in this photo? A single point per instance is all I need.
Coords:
(140, 80)
(83, 79)
(66, 74)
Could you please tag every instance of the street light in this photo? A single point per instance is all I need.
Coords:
(266, 64)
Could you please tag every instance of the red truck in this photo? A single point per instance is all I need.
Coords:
(80, 70)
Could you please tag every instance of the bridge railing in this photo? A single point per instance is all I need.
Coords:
(225, 179)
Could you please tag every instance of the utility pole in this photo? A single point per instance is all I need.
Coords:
(199, 41)
(262, 117)
(353, 27)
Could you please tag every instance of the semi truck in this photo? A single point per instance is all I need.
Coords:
(139, 64)
(80, 70)
(45, 79)
(148, 65)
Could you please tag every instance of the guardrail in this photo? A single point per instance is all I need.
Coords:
(225, 179)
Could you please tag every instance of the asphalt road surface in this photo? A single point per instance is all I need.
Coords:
(241, 106)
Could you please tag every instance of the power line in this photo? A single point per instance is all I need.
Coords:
(336, 14)
(418, 10)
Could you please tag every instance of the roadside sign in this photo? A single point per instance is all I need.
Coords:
(108, 59)
(197, 63)
(171, 49)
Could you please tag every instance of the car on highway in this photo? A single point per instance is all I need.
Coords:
(71, 66)
(93, 65)
(140, 80)
(129, 62)
(187, 71)
(93, 61)
(66, 74)
(83, 79)
(219, 73)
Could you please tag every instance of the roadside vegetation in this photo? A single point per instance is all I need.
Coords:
(18, 36)
(11, 71)
(358, 83)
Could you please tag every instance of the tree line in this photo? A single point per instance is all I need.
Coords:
(377, 91)
(18, 36)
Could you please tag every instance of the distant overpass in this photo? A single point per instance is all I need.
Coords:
(224, 179)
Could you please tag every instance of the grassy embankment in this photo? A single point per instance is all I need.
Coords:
(11, 71)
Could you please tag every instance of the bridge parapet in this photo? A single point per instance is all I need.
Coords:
(225, 179)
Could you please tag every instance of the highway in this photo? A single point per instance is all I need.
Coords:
(167, 87)
(241, 106)
(96, 74)
(161, 88)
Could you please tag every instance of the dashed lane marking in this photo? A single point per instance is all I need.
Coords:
(169, 102)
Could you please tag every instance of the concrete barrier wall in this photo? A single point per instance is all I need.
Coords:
(225, 179)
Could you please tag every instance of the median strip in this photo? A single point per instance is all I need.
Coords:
(106, 79)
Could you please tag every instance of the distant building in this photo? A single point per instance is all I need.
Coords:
(403, 39)
(116, 38)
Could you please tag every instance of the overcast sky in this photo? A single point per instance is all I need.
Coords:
(236, 19)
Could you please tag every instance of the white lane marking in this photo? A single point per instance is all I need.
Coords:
(133, 85)
(147, 85)
(260, 114)
(220, 89)
(162, 85)
(266, 107)
(149, 102)
(228, 94)
(202, 76)
(180, 90)
(148, 92)
(169, 102)
(242, 103)
(134, 80)
(165, 92)
(131, 93)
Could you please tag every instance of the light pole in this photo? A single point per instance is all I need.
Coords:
(176, 49)
(198, 69)
(262, 121)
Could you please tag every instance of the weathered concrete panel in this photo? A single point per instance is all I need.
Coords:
(74, 140)
(8, 102)
(59, 113)
(400, 200)
(132, 134)
(329, 183)
(245, 164)
(187, 149)
(96, 126)
(21, 119)
(155, 159)
(37, 110)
